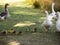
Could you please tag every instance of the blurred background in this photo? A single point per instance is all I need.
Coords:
(42, 4)
(26, 16)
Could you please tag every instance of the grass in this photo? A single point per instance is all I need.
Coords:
(24, 16)
(27, 18)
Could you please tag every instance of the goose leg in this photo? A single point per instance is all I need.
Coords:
(46, 29)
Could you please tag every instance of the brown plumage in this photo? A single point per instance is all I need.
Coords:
(20, 32)
(34, 30)
(4, 32)
(14, 32)
(11, 31)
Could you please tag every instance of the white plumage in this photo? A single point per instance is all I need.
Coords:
(47, 24)
(53, 11)
(2, 18)
(58, 22)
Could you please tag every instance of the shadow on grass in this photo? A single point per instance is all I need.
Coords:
(19, 16)
(32, 39)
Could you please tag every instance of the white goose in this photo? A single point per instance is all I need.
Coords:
(58, 22)
(47, 22)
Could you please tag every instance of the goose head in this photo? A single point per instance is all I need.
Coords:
(53, 4)
(6, 5)
(49, 16)
(46, 12)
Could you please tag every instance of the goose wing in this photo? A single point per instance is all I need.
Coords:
(3, 14)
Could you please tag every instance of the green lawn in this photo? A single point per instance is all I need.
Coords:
(26, 17)
(22, 19)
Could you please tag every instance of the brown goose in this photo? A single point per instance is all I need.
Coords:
(5, 14)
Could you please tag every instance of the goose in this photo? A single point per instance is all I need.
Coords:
(34, 30)
(11, 31)
(58, 22)
(47, 23)
(53, 12)
(5, 14)
(20, 33)
(4, 32)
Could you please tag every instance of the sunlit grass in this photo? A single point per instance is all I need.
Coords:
(23, 19)
(26, 23)
(17, 3)
(11, 1)
(25, 12)
(14, 43)
(19, 16)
